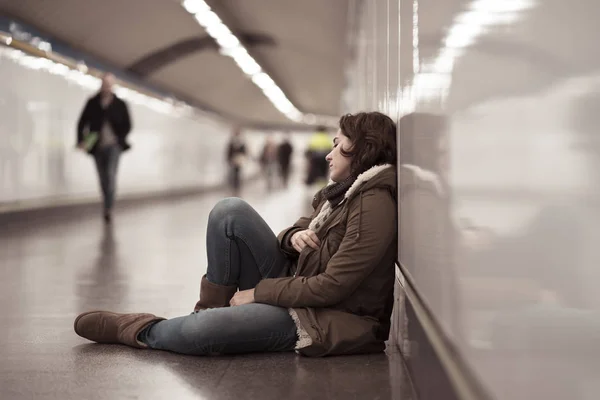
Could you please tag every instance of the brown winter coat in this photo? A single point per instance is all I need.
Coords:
(342, 293)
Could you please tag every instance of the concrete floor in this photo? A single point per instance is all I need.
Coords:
(149, 260)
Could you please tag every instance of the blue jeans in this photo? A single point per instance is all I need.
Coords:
(241, 247)
(107, 161)
(241, 250)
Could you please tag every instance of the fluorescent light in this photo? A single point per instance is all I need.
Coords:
(80, 77)
(230, 52)
(295, 115)
(263, 80)
(195, 6)
(275, 93)
(45, 46)
(82, 67)
(243, 59)
(207, 19)
(218, 30)
(230, 46)
(246, 62)
(227, 41)
(284, 108)
(310, 119)
(223, 36)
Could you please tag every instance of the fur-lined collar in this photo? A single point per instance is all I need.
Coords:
(364, 177)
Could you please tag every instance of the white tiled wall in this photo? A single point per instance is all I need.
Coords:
(501, 233)
(38, 161)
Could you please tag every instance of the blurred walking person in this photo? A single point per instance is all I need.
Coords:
(102, 131)
(284, 157)
(268, 161)
(236, 156)
(318, 147)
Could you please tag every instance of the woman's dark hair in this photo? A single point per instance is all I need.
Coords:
(373, 136)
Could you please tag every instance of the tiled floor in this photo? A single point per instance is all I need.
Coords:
(150, 260)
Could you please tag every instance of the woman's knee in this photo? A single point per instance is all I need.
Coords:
(228, 207)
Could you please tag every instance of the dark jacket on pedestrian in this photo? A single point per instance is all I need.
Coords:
(284, 153)
(94, 117)
(341, 295)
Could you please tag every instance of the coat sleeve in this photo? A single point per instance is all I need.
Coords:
(286, 234)
(127, 125)
(84, 120)
(229, 154)
(370, 229)
(300, 225)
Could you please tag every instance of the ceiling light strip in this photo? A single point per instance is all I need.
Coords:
(27, 56)
(230, 46)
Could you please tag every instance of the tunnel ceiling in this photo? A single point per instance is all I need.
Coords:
(301, 44)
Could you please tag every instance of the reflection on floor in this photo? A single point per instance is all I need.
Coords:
(150, 259)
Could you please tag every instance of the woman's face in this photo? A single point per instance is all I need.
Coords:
(339, 166)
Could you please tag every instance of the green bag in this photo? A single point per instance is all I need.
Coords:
(90, 140)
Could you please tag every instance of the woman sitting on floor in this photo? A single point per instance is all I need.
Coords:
(324, 286)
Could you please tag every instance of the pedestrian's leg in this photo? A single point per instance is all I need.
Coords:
(233, 330)
(112, 164)
(269, 176)
(285, 171)
(236, 180)
(102, 168)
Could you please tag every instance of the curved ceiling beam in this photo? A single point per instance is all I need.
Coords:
(160, 58)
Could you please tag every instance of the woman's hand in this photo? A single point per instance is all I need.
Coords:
(301, 239)
(242, 297)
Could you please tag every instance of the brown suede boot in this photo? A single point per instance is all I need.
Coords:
(213, 295)
(113, 328)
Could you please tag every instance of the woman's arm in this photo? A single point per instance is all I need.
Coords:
(285, 235)
(300, 225)
(355, 259)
